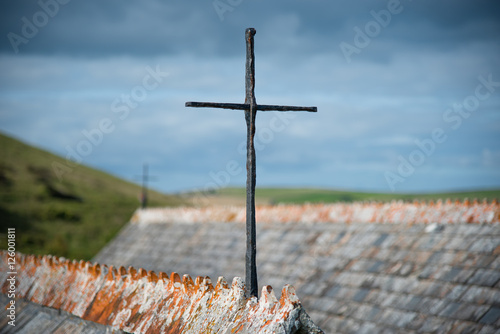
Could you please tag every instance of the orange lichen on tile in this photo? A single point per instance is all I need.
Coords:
(138, 301)
(445, 212)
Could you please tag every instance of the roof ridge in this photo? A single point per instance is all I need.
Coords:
(439, 211)
(143, 301)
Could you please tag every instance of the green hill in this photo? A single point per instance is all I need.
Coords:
(236, 196)
(73, 215)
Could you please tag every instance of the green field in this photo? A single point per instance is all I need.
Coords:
(310, 195)
(74, 216)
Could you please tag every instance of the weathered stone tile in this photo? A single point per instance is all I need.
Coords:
(408, 269)
(322, 304)
(331, 324)
(488, 330)
(433, 306)
(396, 318)
(417, 322)
(468, 229)
(368, 328)
(468, 312)
(331, 292)
(456, 292)
(360, 295)
(376, 266)
(468, 259)
(411, 303)
(349, 252)
(427, 271)
(465, 327)
(349, 326)
(453, 274)
(343, 308)
(376, 297)
(369, 252)
(360, 265)
(351, 279)
(495, 264)
(397, 254)
(333, 263)
(391, 330)
(346, 293)
(366, 312)
(482, 295)
(456, 243)
(405, 318)
(314, 288)
(418, 256)
(427, 242)
(405, 241)
(384, 254)
(401, 284)
(380, 240)
(489, 230)
(435, 325)
(366, 238)
(442, 258)
(369, 282)
(485, 277)
(487, 245)
(317, 316)
(491, 317)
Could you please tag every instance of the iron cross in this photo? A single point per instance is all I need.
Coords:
(250, 107)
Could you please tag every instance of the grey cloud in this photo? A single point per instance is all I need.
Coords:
(103, 28)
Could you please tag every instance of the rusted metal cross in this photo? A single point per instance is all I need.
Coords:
(250, 106)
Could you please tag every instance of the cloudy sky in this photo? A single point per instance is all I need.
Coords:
(408, 92)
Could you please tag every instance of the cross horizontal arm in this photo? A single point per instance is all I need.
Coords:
(267, 107)
(237, 106)
(243, 106)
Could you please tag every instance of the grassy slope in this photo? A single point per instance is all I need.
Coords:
(281, 195)
(74, 217)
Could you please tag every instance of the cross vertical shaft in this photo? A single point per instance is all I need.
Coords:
(251, 252)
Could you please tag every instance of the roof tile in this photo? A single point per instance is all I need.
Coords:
(468, 312)
(482, 295)
(485, 277)
(492, 317)
(487, 245)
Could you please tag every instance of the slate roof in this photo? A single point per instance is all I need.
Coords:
(357, 268)
(138, 301)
